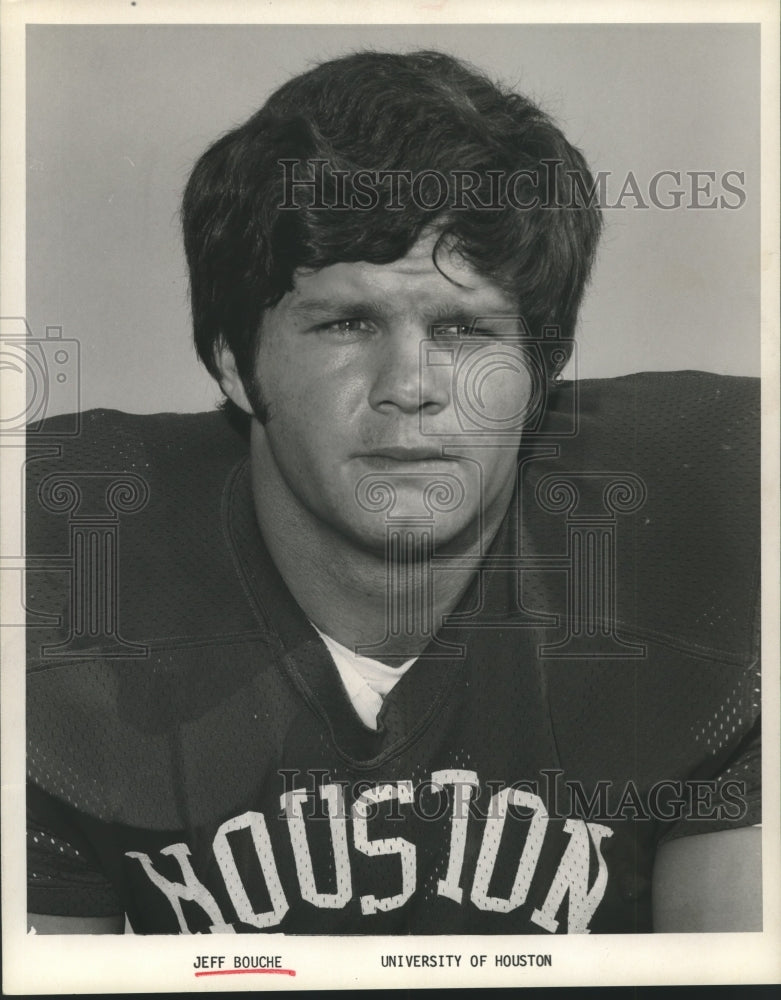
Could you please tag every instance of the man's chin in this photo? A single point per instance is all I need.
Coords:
(415, 495)
(409, 537)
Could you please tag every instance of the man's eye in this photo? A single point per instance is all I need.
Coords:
(461, 330)
(346, 326)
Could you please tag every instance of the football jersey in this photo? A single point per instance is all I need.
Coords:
(196, 763)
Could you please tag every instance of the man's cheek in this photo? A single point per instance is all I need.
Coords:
(509, 395)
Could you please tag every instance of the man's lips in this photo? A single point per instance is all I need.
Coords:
(400, 453)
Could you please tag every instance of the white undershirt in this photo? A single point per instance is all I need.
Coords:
(365, 680)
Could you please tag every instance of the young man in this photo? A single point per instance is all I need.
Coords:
(414, 637)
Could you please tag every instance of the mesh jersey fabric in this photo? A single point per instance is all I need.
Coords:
(195, 762)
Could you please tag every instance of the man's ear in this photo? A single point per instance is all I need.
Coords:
(230, 380)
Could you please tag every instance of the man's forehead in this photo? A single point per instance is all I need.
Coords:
(417, 282)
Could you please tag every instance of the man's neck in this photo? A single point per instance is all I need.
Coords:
(347, 590)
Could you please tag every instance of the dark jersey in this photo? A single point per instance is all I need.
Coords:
(195, 762)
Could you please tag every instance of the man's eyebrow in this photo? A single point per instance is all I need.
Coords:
(436, 313)
(339, 306)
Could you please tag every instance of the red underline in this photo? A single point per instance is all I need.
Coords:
(236, 972)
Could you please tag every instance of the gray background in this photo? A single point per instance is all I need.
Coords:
(117, 115)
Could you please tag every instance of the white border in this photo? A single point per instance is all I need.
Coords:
(34, 965)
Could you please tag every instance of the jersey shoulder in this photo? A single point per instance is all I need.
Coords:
(126, 517)
(669, 464)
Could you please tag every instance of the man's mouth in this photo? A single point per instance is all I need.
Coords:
(403, 453)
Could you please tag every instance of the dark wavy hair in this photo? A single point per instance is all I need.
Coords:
(420, 111)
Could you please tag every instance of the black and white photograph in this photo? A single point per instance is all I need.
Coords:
(390, 496)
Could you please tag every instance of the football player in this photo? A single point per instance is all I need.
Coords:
(412, 636)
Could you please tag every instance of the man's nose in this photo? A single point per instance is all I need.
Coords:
(403, 381)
